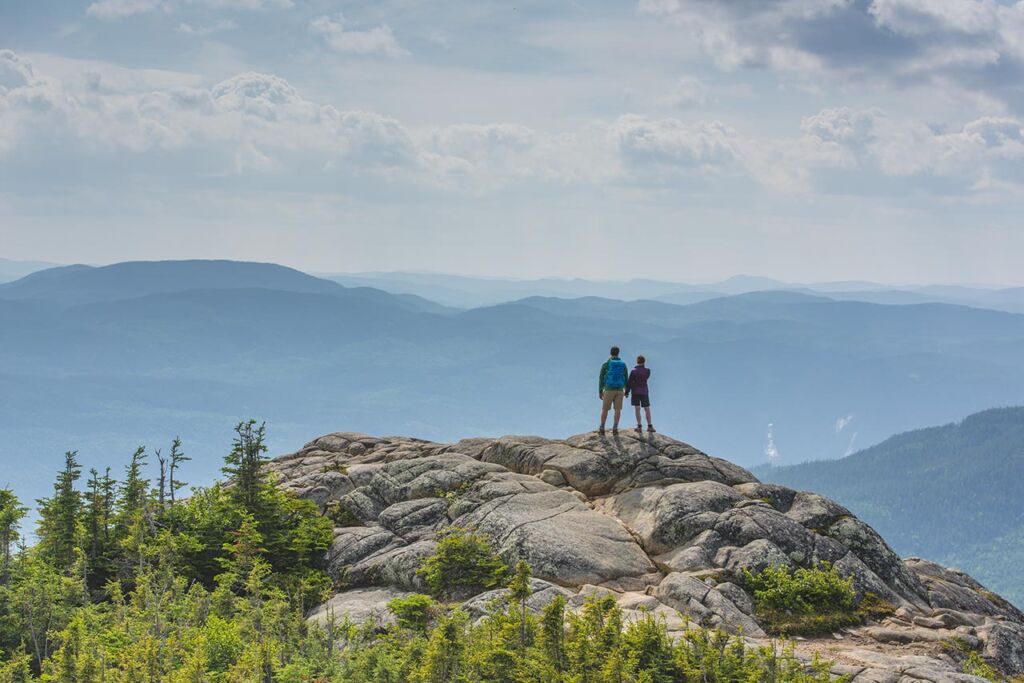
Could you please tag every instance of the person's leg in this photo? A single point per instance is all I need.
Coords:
(647, 412)
(606, 403)
(637, 409)
(618, 410)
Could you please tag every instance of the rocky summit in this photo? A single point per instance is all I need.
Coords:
(650, 520)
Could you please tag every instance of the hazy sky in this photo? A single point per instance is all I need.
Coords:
(679, 139)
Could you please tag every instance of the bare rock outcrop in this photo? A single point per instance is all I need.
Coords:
(650, 520)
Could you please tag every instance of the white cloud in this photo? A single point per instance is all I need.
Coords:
(843, 422)
(897, 42)
(255, 123)
(15, 71)
(109, 10)
(112, 10)
(375, 41)
(687, 92)
(923, 17)
(190, 29)
(673, 143)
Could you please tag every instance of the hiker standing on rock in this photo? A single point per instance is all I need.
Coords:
(611, 388)
(637, 384)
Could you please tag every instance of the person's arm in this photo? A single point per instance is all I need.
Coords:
(629, 381)
(600, 378)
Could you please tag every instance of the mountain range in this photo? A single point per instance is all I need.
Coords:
(101, 359)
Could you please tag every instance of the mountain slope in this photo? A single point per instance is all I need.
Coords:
(80, 284)
(950, 493)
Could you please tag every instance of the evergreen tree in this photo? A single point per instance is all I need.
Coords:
(58, 525)
(244, 465)
(161, 487)
(519, 592)
(552, 633)
(176, 458)
(11, 514)
(135, 488)
(133, 524)
(99, 501)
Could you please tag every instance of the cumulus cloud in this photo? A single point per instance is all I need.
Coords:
(256, 123)
(974, 45)
(673, 144)
(379, 40)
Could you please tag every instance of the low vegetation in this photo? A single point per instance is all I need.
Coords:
(808, 601)
(463, 564)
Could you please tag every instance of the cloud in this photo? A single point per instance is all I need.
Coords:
(15, 71)
(770, 450)
(375, 41)
(671, 143)
(924, 17)
(843, 422)
(190, 29)
(257, 124)
(113, 10)
(850, 446)
(970, 45)
(109, 10)
(687, 92)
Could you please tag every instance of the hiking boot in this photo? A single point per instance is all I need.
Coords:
(600, 430)
(639, 429)
(650, 428)
(615, 431)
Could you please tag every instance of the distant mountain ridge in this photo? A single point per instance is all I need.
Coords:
(82, 284)
(950, 493)
(470, 292)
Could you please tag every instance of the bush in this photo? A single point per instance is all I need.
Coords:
(974, 665)
(414, 612)
(463, 563)
(807, 601)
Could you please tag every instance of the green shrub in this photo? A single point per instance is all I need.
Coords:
(414, 612)
(341, 515)
(805, 601)
(463, 563)
(974, 665)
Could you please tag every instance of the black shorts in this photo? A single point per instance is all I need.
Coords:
(642, 401)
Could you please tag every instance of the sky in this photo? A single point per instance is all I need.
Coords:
(690, 140)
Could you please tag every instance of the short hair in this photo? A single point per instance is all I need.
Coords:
(641, 360)
(615, 351)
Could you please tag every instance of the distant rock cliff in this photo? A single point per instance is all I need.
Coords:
(654, 521)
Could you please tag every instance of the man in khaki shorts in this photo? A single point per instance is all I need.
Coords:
(611, 388)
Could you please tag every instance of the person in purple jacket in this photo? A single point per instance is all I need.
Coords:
(637, 385)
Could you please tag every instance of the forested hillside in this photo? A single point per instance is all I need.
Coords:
(950, 493)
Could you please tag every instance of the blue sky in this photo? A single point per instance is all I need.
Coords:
(677, 139)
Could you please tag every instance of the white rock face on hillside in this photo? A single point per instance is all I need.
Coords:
(648, 519)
